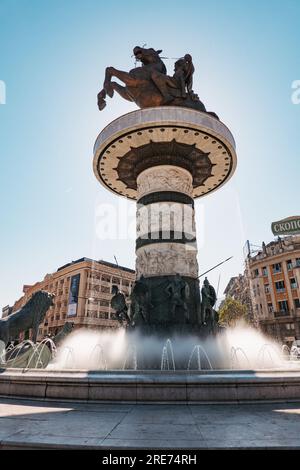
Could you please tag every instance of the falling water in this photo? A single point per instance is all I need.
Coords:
(167, 357)
(235, 361)
(271, 352)
(130, 358)
(97, 358)
(197, 349)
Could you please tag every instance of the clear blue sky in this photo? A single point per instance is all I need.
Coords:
(52, 58)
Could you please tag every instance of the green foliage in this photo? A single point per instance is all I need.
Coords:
(231, 311)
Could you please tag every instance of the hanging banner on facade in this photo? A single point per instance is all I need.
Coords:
(288, 226)
(73, 296)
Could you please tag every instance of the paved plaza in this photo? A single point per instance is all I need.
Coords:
(46, 425)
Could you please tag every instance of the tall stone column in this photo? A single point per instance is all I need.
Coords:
(166, 248)
(164, 158)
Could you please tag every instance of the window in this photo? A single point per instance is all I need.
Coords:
(283, 306)
(293, 283)
(256, 272)
(289, 264)
(297, 303)
(280, 287)
(105, 290)
(267, 288)
(270, 307)
(103, 315)
(265, 271)
(277, 268)
(297, 261)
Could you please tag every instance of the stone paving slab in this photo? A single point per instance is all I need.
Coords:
(40, 424)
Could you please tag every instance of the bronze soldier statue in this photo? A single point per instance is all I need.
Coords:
(178, 291)
(140, 301)
(118, 303)
(208, 300)
(178, 86)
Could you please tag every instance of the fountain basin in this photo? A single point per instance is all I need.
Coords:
(219, 386)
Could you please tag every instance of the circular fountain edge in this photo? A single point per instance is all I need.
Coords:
(222, 386)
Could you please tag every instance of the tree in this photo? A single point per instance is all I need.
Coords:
(231, 311)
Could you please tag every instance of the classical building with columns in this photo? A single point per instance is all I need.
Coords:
(82, 291)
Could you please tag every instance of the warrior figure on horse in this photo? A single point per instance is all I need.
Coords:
(150, 86)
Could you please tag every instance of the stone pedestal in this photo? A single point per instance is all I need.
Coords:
(163, 158)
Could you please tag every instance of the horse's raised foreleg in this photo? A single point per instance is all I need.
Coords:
(122, 91)
(107, 86)
(123, 76)
(115, 86)
(101, 99)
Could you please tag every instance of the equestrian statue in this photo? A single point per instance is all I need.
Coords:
(150, 86)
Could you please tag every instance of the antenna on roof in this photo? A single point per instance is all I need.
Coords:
(116, 261)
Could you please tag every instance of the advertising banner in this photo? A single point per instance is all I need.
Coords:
(73, 296)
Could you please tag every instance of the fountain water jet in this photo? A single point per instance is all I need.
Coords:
(167, 357)
(197, 351)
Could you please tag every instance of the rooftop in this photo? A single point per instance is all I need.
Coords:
(104, 263)
(274, 248)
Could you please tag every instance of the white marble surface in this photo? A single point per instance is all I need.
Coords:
(164, 259)
(164, 178)
(165, 217)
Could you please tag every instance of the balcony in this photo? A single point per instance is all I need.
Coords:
(282, 313)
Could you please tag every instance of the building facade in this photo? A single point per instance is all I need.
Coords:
(270, 288)
(239, 289)
(82, 291)
(274, 276)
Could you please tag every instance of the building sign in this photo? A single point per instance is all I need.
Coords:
(73, 296)
(288, 226)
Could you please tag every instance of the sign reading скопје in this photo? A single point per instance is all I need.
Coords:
(288, 226)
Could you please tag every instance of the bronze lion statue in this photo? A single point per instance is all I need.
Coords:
(31, 315)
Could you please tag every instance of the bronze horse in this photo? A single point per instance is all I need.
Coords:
(150, 86)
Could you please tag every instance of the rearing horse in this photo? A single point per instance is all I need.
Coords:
(139, 86)
(150, 86)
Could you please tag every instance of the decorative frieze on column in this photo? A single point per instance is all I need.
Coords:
(166, 259)
(166, 236)
(164, 178)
